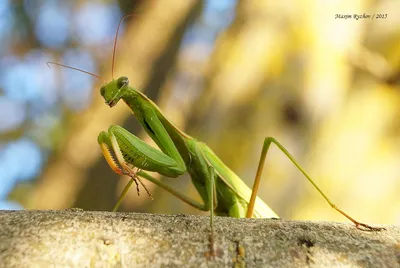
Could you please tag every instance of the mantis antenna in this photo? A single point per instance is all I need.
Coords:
(113, 57)
(115, 43)
(76, 69)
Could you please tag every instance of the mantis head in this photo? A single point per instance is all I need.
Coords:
(113, 91)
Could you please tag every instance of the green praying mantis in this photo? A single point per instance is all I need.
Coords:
(221, 190)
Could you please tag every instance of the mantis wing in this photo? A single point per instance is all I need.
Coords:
(262, 210)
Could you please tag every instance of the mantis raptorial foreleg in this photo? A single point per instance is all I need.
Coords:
(267, 143)
(109, 141)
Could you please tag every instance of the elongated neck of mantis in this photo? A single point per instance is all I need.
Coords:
(140, 104)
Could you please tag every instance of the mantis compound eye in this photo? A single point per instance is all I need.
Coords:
(122, 81)
(102, 91)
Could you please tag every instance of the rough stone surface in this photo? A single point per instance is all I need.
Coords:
(76, 238)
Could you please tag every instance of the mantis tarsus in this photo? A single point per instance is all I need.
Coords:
(221, 190)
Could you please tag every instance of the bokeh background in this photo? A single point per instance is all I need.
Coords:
(227, 72)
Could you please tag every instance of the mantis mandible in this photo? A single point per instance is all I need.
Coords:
(221, 190)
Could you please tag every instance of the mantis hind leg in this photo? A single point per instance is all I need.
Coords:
(267, 143)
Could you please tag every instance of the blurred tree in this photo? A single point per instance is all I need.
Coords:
(228, 73)
(150, 54)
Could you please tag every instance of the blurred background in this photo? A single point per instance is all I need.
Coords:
(227, 72)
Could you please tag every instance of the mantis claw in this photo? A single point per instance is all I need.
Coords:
(368, 228)
(133, 174)
(134, 178)
(359, 225)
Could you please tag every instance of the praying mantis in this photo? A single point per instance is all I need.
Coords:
(222, 191)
